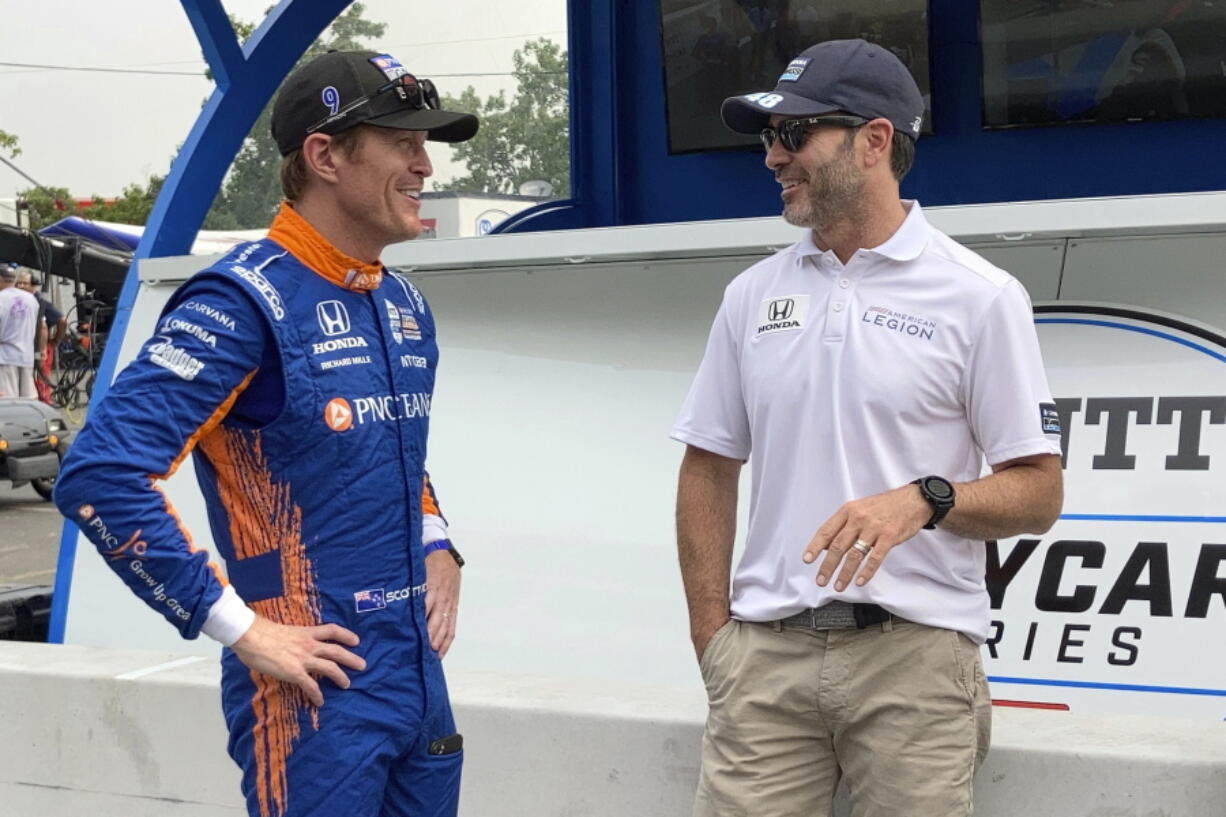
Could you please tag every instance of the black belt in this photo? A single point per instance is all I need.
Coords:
(840, 615)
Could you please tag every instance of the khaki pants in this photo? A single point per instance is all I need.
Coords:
(899, 709)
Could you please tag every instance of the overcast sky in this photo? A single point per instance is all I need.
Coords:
(94, 132)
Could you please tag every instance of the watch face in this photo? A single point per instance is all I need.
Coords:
(938, 488)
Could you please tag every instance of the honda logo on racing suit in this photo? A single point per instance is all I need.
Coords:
(333, 318)
(781, 310)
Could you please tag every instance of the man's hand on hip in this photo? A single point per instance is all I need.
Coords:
(442, 599)
(299, 654)
(863, 531)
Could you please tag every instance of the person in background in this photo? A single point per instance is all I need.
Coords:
(52, 325)
(19, 329)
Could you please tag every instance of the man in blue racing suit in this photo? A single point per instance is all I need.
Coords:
(300, 372)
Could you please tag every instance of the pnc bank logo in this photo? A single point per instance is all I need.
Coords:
(333, 318)
(781, 309)
(338, 414)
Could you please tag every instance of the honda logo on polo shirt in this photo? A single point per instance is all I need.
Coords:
(782, 314)
(781, 309)
(333, 318)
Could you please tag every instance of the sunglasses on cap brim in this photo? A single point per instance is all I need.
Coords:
(419, 94)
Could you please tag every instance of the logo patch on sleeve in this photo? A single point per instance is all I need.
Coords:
(795, 68)
(782, 313)
(1050, 418)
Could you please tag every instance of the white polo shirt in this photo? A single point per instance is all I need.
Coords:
(838, 382)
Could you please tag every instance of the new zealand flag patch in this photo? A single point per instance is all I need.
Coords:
(367, 601)
(1050, 418)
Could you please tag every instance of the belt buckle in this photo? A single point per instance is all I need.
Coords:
(868, 615)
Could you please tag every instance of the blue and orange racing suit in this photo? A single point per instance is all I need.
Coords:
(302, 381)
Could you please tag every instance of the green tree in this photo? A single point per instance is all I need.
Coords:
(525, 138)
(132, 207)
(8, 142)
(48, 205)
(252, 191)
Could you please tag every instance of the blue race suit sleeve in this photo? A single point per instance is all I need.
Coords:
(181, 384)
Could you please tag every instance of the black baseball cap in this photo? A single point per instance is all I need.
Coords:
(341, 89)
(851, 76)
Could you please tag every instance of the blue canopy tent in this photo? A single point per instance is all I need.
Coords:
(110, 237)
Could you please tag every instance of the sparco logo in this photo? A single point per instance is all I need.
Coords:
(420, 301)
(337, 344)
(262, 285)
(781, 309)
(333, 318)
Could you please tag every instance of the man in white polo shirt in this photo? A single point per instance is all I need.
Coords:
(868, 371)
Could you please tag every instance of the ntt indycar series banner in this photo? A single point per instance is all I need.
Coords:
(1121, 607)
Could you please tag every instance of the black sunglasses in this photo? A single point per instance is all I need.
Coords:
(415, 93)
(793, 132)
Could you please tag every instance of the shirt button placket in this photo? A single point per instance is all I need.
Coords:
(836, 311)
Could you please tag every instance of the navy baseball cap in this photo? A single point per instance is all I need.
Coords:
(851, 76)
(342, 89)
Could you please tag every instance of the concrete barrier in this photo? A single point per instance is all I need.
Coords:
(101, 732)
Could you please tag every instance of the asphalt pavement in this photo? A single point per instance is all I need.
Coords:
(29, 536)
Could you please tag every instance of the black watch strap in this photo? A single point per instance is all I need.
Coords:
(939, 493)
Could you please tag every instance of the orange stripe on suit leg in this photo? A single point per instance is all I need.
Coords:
(263, 518)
